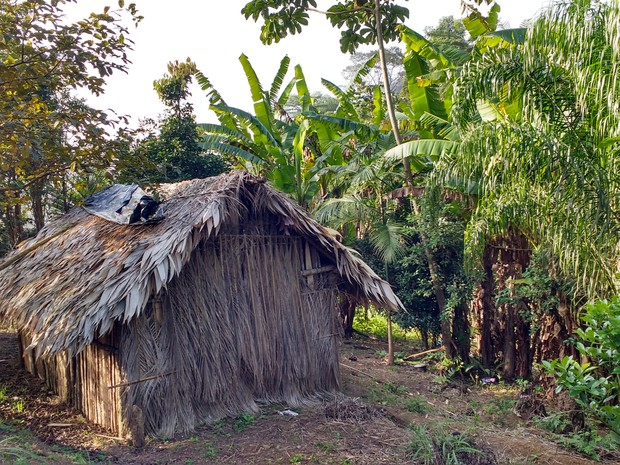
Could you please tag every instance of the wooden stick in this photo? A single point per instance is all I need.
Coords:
(323, 269)
(116, 438)
(148, 378)
(422, 353)
(362, 372)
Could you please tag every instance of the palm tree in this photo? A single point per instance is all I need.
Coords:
(542, 125)
(539, 121)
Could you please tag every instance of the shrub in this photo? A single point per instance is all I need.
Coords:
(595, 385)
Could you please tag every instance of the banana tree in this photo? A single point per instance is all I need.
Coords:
(295, 154)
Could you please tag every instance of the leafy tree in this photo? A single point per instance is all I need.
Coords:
(394, 61)
(171, 150)
(361, 22)
(297, 153)
(541, 141)
(449, 36)
(43, 132)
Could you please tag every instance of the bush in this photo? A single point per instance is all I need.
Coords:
(595, 385)
(375, 324)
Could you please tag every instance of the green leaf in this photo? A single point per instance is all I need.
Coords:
(422, 150)
(262, 108)
(279, 79)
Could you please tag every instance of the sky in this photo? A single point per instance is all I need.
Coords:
(214, 33)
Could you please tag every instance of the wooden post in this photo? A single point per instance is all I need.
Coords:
(136, 425)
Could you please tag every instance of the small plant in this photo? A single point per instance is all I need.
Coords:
(210, 451)
(441, 447)
(395, 388)
(296, 459)
(242, 421)
(2, 393)
(586, 441)
(594, 386)
(326, 446)
(416, 404)
(218, 427)
(18, 406)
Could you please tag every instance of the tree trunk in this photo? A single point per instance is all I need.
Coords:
(487, 310)
(347, 314)
(512, 257)
(390, 354)
(510, 349)
(36, 197)
(524, 350)
(14, 222)
(460, 332)
(440, 296)
(386, 78)
(424, 337)
(446, 333)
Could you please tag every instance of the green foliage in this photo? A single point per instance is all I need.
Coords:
(18, 405)
(170, 151)
(533, 127)
(449, 35)
(375, 324)
(417, 404)
(594, 385)
(355, 18)
(538, 286)
(242, 421)
(440, 446)
(586, 441)
(45, 131)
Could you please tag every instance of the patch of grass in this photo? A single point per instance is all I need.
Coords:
(18, 405)
(499, 409)
(11, 449)
(210, 451)
(2, 393)
(395, 388)
(439, 446)
(587, 442)
(417, 404)
(296, 459)
(242, 421)
(327, 446)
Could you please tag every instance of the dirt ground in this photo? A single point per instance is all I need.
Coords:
(374, 422)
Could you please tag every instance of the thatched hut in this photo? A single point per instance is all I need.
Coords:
(228, 301)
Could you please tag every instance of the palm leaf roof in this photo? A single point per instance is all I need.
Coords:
(81, 273)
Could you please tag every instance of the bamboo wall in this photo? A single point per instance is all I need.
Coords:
(97, 383)
(251, 318)
(84, 381)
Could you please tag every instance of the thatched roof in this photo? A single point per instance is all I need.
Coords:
(81, 273)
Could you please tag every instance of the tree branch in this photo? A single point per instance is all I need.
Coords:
(327, 13)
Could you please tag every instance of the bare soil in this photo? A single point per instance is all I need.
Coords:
(369, 425)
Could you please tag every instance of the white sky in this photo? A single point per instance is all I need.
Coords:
(214, 33)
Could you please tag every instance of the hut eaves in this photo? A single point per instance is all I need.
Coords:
(81, 273)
